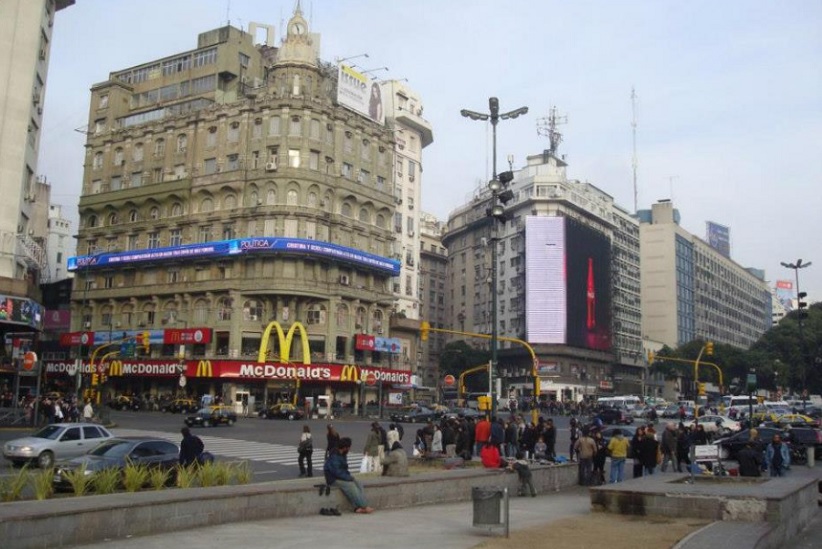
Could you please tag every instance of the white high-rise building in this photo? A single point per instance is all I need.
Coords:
(412, 133)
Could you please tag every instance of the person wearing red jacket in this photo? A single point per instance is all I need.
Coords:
(490, 457)
(482, 432)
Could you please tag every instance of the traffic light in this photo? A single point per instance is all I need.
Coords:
(701, 388)
(95, 380)
(651, 357)
(802, 306)
(145, 341)
(424, 327)
(709, 348)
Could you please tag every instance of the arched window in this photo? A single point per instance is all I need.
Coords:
(253, 310)
(206, 205)
(360, 319)
(270, 197)
(292, 198)
(154, 213)
(346, 209)
(92, 221)
(133, 216)
(176, 209)
(200, 312)
(342, 317)
(315, 314)
(182, 143)
(312, 199)
(380, 221)
(230, 202)
(253, 198)
(376, 321)
(365, 217)
(224, 308)
(118, 157)
(98, 160)
(160, 147)
(112, 218)
(137, 152)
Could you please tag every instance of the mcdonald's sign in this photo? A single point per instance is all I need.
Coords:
(115, 368)
(285, 340)
(350, 373)
(204, 369)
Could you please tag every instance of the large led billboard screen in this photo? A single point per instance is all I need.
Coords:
(568, 283)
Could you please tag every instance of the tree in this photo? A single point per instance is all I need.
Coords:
(458, 356)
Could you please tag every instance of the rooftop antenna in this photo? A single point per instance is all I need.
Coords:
(228, 12)
(671, 180)
(633, 158)
(547, 127)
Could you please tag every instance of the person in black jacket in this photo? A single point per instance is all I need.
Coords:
(750, 460)
(633, 451)
(191, 448)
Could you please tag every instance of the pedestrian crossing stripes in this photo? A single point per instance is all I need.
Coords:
(280, 454)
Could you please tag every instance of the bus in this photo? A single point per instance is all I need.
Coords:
(627, 402)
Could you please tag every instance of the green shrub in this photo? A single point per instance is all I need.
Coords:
(11, 487)
(242, 472)
(208, 474)
(135, 476)
(186, 476)
(159, 478)
(223, 471)
(79, 481)
(106, 481)
(43, 483)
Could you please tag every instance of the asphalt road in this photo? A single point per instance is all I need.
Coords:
(270, 446)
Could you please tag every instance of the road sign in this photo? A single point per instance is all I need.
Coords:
(182, 381)
(29, 359)
(449, 380)
(371, 379)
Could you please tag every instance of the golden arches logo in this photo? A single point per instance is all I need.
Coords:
(204, 369)
(350, 373)
(115, 368)
(285, 340)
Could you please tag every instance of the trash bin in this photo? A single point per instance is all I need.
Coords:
(487, 504)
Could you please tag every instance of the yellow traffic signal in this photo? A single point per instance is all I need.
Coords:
(709, 348)
(651, 357)
(701, 388)
(94, 380)
(146, 341)
(424, 328)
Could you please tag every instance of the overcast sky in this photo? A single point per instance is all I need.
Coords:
(729, 96)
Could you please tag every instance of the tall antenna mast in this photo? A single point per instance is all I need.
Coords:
(634, 159)
(547, 127)
(228, 12)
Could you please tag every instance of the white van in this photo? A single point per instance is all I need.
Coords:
(741, 403)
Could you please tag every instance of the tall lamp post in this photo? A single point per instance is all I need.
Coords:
(499, 197)
(800, 307)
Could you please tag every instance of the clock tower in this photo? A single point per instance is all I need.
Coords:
(299, 46)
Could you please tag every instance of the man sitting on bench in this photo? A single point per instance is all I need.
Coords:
(337, 474)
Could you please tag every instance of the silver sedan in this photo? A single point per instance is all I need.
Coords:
(55, 441)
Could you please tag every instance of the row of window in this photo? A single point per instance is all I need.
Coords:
(168, 67)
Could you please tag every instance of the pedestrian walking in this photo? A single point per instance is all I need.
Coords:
(305, 449)
(669, 447)
(574, 434)
(777, 457)
(191, 448)
(586, 449)
(618, 450)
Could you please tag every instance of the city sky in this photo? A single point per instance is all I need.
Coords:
(728, 108)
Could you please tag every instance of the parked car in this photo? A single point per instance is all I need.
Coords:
(180, 405)
(730, 446)
(282, 411)
(126, 402)
(116, 453)
(803, 438)
(464, 412)
(55, 441)
(796, 420)
(415, 415)
(614, 416)
(212, 416)
(627, 430)
(721, 426)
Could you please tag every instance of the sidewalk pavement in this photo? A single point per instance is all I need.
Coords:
(447, 526)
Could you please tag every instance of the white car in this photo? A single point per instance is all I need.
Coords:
(716, 425)
(55, 441)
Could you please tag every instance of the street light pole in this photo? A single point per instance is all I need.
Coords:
(496, 212)
(799, 307)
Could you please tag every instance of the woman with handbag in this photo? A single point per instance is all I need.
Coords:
(305, 448)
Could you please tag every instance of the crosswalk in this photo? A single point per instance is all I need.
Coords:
(280, 454)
